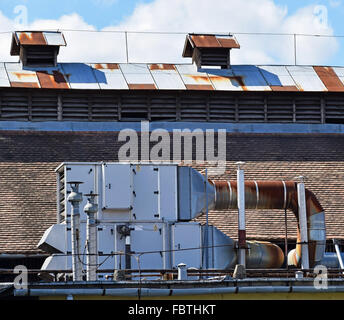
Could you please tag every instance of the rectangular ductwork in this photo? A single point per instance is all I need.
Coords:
(210, 50)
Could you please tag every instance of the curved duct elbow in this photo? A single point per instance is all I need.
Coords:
(279, 195)
(262, 254)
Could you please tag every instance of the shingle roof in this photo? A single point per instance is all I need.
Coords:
(27, 178)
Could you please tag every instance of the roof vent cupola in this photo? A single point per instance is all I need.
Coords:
(37, 48)
(210, 50)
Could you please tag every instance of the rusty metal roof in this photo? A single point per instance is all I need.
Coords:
(123, 76)
(193, 41)
(36, 38)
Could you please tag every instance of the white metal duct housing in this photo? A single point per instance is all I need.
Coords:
(144, 219)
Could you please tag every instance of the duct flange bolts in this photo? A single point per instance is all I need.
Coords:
(75, 195)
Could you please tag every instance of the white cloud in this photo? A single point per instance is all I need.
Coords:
(195, 16)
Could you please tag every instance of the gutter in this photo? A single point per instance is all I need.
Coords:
(141, 292)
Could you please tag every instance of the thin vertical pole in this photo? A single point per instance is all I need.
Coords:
(241, 213)
(126, 46)
(206, 226)
(303, 223)
(295, 50)
(286, 237)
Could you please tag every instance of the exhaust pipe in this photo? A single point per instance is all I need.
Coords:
(278, 195)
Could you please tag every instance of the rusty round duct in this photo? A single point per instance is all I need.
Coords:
(263, 254)
(278, 195)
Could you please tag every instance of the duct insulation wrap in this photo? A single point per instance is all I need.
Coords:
(279, 195)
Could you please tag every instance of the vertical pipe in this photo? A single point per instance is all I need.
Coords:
(241, 217)
(206, 244)
(301, 198)
(295, 50)
(127, 252)
(286, 237)
(91, 237)
(75, 197)
(182, 271)
(339, 256)
(126, 46)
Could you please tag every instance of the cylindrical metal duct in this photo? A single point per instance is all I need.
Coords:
(75, 197)
(278, 195)
(91, 209)
(262, 254)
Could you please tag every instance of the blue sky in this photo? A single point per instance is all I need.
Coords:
(303, 16)
(102, 13)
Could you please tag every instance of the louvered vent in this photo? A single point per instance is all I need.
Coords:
(210, 50)
(61, 201)
(37, 48)
(39, 56)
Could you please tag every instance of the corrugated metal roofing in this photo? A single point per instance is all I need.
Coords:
(166, 76)
(278, 78)
(251, 77)
(109, 76)
(123, 76)
(138, 76)
(306, 78)
(4, 81)
(193, 79)
(80, 76)
(21, 78)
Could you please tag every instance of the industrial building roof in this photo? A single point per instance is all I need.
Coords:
(132, 76)
(28, 183)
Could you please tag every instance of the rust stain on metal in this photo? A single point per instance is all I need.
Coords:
(133, 86)
(162, 66)
(32, 38)
(110, 66)
(18, 84)
(201, 79)
(205, 41)
(24, 76)
(329, 78)
(199, 87)
(228, 43)
(52, 81)
(284, 88)
(272, 195)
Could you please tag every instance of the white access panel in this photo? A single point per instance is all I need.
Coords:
(187, 243)
(106, 246)
(146, 200)
(147, 238)
(117, 186)
(86, 174)
(168, 192)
